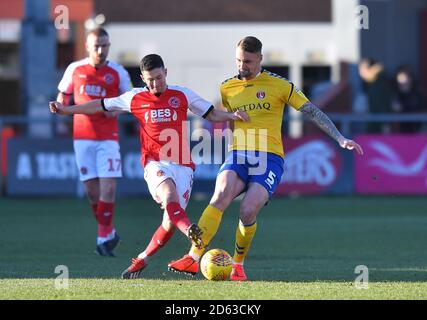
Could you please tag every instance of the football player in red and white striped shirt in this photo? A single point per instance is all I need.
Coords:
(168, 169)
(96, 136)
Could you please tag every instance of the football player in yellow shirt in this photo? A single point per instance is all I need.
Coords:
(255, 164)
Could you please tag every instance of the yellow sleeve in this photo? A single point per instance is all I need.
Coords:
(296, 98)
(224, 101)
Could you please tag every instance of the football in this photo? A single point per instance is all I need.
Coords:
(216, 264)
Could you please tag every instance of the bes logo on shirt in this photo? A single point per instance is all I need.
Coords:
(93, 90)
(160, 115)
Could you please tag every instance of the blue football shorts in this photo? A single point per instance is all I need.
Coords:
(253, 166)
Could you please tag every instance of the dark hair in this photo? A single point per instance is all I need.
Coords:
(150, 62)
(99, 32)
(404, 68)
(408, 71)
(369, 61)
(250, 44)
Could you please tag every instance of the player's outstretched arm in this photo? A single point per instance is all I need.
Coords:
(324, 123)
(219, 116)
(91, 107)
(113, 114)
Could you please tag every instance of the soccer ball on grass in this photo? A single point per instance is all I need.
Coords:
(216, 264)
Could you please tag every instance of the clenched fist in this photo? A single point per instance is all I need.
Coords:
(56, 107)
(240, 115)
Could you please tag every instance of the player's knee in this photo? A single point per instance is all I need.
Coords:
(248, 213)
(108, 192)
(167, 223)
(221, 199)
(168, 226)
(166, 193)
(221, 202)
(93, 195)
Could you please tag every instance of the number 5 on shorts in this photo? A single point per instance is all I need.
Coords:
(270, 179)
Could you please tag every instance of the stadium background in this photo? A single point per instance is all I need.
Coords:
(333, 210)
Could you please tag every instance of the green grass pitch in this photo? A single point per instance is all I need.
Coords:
(305, 248)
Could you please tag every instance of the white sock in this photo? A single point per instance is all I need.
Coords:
(144, 256)
(101, 240)
(112, 234)
(234, 262)
(196, 257)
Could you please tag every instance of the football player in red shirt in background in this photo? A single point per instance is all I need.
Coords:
(96, 136)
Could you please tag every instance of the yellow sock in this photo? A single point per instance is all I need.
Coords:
(209, 222)
(244, 236)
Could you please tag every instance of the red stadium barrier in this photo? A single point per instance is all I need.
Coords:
(5, 134)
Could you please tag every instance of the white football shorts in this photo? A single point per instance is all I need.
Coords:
(98, 159)
(155, 172)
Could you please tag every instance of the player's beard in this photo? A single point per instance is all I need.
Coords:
(245, 73)
(158, 90)
(100, 60)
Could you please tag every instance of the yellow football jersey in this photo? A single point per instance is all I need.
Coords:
(264, 99)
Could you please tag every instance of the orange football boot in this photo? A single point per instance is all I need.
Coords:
(135, 269)
(238, 273)
(185, 265)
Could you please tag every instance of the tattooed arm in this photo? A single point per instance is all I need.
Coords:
(324, 123)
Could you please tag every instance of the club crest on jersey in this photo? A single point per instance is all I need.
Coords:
(174, 102)
(260, 95)
(108, 78)
(160, 173)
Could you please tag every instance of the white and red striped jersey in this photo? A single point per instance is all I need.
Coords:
(163, 131)
(86, 83)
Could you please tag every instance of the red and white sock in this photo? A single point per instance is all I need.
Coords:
(159, 239)
(178, 217)
(104, 214)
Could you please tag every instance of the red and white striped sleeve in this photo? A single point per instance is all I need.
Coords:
(120, 103)
(196, 103)
(66, 84)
